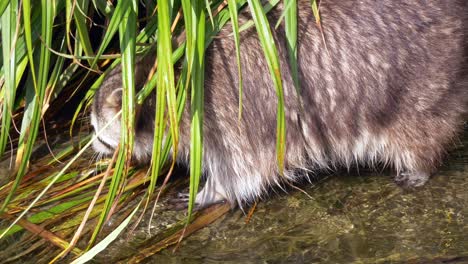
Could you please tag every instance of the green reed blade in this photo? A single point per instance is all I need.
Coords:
(127, 34)
(165, 92)
(113, 26)
(107, 240)
(181, 101)
(266, 8)
(105, 7)
(79, 15)
(8, 23)
(197, 105)
(42, 216)
(166, 73)
(159, 128)
(315, 11)
(29, 38)
(68, 22)
(291, 39)
(63, 79)
(212, 29)
(235, 30)
(148, 87)
(54, 76)
(30, 125)
(208, 9)
(271, 55)
(53, 180)
(190, 33)
(3, 6)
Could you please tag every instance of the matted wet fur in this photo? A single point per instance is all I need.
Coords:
(389, 88)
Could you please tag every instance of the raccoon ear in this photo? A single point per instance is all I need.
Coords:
(115, 98)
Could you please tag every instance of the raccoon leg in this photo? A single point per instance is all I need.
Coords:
(411, 179)
(416, 165)
(211, 193)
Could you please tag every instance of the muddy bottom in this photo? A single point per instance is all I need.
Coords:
(361, 216)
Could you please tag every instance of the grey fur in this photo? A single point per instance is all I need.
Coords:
(389, 88)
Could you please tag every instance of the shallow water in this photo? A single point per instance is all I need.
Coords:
(358, 217)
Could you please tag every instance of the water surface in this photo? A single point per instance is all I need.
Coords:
(360, 216)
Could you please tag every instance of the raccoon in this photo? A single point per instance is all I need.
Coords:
(382, 83)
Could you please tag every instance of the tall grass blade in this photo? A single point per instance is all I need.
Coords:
(127, 34)
(271, 55)
(8, 24)
(3, 6)
(29, 39)
(197, 104)
(51, 182)
(208, 9)
(166, 93)
(80, 20)
(190, 33)
(291, 39)
(315, 11)
(30, 125)
(232, 5)
(105, 7)
(53, 78)
(112, 27)
(107, 240)
(266, 8)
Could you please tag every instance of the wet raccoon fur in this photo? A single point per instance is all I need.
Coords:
(386, 87)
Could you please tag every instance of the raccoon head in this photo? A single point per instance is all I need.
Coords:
(106, 120)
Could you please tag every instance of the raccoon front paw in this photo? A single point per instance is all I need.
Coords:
(409, 179)
(180, 202)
